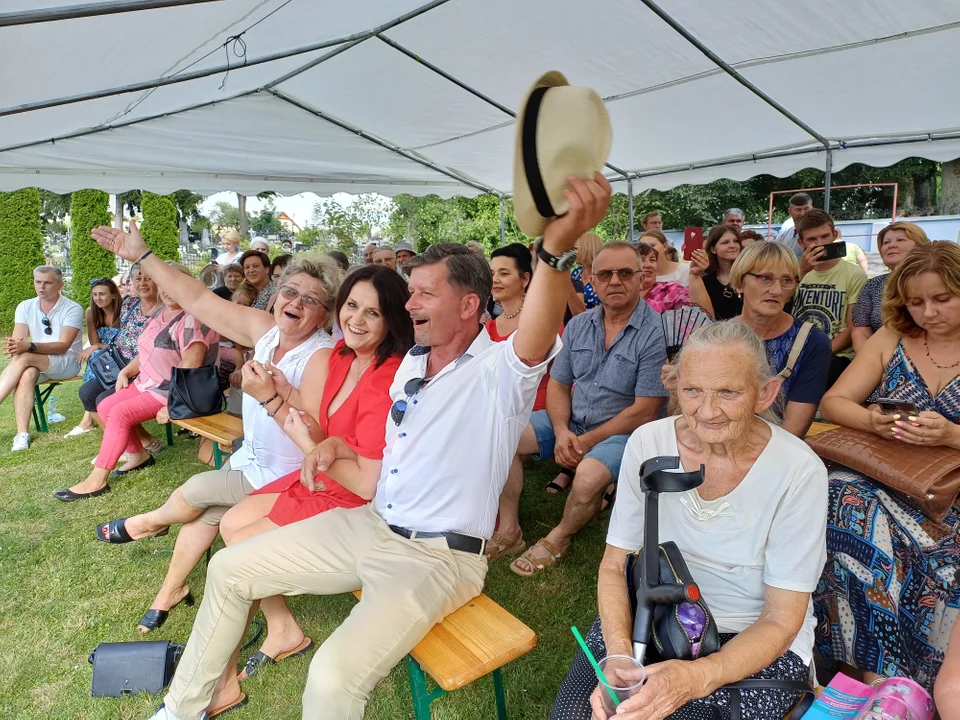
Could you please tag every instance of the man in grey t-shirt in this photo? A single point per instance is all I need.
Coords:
(44, 346)
(604, 384)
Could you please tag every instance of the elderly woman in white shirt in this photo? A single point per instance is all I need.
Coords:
(291, 354)
(753, 537)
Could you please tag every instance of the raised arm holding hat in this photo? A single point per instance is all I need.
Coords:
(417, 550)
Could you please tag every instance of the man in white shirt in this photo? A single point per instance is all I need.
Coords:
(460, 404)
(799, 204)
(44, 346)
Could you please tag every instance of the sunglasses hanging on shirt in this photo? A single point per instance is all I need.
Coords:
(411, 388)
(47, 330)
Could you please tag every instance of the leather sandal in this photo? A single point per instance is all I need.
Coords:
(223, 709)
(542, 555)
(555, 488)
(255, 663)
(501, 545)
(153, 619)
(115, 532)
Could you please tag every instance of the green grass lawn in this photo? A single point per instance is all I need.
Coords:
(62, 591)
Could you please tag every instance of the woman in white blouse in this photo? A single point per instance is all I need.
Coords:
(753, 537)
(291, 355)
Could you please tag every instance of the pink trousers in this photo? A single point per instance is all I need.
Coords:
(122, 412)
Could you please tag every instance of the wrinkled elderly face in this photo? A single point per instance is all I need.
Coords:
(368, 254)
(295, 317)
(734, 221)
(797, 211)
(232, 277)
(717, 397)
(403, 256)
(385, 256)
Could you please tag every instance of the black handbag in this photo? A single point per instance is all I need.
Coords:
(194, 392)
(127, 668)
(671, 617)
(106, 365)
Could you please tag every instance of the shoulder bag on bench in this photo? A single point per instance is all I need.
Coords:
(194, 392)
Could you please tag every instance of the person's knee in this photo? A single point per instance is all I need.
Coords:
(230, 524)
(329, 680)
(590, 480)
(28, 377)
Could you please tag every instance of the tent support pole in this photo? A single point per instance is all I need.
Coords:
(630, 227)
(85, 10)
(731, 71)
(828, 180)
(503, 225)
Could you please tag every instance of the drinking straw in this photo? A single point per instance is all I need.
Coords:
(596, 665)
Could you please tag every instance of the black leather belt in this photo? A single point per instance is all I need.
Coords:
(455, 540)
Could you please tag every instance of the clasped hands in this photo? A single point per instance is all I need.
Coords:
(15, 346)
(926, 428)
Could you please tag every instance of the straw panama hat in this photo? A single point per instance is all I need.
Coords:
(562, 130)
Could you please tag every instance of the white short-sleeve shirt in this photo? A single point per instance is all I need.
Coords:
(445, 464)
(769, 530)
(680, 275)
(66, 313)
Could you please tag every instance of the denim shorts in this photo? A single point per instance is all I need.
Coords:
(609, 452)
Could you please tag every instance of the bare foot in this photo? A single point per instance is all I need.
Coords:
(277, 643)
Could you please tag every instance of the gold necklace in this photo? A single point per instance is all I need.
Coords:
(930, 357)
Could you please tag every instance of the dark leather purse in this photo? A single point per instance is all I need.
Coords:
(668, 610)
(127, 668)
(194, 392)
(106, 365)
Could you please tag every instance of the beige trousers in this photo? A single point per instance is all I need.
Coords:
(216, 491)
(408, 587)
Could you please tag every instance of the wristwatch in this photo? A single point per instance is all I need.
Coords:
(32, 347)
(563, 263)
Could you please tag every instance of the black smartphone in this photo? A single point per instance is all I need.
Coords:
(897, 407)
(834, 251)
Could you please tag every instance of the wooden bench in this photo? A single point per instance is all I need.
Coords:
(476, 640)
(820, 427)
(40, 398)
(222, 429)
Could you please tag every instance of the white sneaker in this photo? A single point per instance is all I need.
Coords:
(78, 430)
(21, 441)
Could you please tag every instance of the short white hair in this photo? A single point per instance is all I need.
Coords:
(44, 269)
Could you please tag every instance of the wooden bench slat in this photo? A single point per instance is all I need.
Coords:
(820, 427)
(222, 428)
(472, 642)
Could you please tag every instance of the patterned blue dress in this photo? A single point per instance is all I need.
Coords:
(590, 298)
(890, 591)
(105, 335)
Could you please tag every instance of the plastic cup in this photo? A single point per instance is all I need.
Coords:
(620, 676)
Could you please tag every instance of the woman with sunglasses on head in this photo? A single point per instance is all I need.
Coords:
(710, 268)
(377, 333)
(102, 318)
(291, 353)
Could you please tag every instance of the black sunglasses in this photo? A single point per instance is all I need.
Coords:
(47, 330)
(97, 281)
(399, 408)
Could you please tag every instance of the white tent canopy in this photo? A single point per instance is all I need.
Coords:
(394, 96)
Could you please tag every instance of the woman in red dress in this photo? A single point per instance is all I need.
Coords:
(377, 332)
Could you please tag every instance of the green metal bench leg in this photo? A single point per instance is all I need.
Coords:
(500, 695)
(217, 456)
(418, 689)
(169, 427)
(39, 413)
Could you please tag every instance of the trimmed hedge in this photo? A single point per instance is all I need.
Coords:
(89, 209)
(160, 228)
(22, 244)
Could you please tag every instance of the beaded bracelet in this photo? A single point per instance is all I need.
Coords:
(267, 402)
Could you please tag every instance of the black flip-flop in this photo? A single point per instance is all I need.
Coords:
(153, 619)
(115, 532)
(149, 462)
(255, 663)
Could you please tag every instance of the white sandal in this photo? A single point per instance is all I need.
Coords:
(78, 430)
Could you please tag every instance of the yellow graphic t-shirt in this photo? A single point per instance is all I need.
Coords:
(824, 296)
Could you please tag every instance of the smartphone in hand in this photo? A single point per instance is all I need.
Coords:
(834, 251)
(897, 407)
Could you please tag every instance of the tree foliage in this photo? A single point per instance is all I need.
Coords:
(345, 227)
(267, 221)
(54, 210)
(225, 215)
(22, 243)
(160, 229)
(89, 209)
